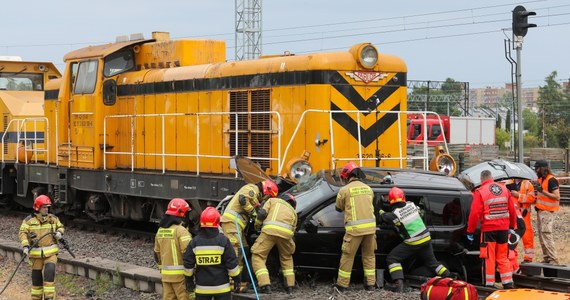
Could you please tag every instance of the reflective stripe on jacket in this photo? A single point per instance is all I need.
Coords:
(235, 210)
(543, 202)
(170, 244)
(355, 199)
(526, 194)
(38, 226)
(281, 218)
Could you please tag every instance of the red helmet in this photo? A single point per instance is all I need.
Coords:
(269, 188)
(347, 169)
(290, 199)
(41, 200)
(396, 195)
(210, 218)
(177, 207)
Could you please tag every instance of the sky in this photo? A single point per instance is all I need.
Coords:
(437, 39)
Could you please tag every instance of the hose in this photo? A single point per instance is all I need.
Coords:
(20, 262)
(245, 260)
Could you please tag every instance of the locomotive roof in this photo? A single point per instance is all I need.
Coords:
(101, 50)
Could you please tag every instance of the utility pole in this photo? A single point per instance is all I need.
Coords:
(248, 17)
(520, 27)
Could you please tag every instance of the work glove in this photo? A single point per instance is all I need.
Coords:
(242, 200)
(470, 238)
(190, 285)
(26, 251)
(58, 235)
(380, 212)
(237, 284)
(524, 212)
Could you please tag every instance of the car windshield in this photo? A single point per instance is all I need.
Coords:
(309, 190)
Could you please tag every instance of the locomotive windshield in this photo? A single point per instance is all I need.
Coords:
(21, 82)
(118, 62)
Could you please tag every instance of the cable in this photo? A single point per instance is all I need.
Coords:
(245, 260)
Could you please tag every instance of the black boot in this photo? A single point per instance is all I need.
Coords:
(369, 287)
(508, 286)
(289, 290)
(341, 289)
(266, 289)
(397, 286)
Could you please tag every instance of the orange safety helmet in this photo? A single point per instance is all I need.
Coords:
(347, 169)
(269, 188)
(41, 200)
(290, 199)
(177, 207)
(396, 195)
(210, 218)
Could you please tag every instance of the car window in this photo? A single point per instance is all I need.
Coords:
(445, 211)
(329, 217)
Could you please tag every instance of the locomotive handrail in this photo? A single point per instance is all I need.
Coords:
(198, 155)
(360, 157)
(20, 127)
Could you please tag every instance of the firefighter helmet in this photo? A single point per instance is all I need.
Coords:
(210, 218)
(347, 169)
(177, 207)
(290, 199)
(269, 188)
(396, 195)
(41, 200)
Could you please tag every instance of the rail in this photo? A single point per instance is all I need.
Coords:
(198, 155)
(31, 143)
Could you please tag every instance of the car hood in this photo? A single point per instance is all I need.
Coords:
(500, 170)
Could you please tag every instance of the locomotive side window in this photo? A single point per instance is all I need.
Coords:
(86, 77)
(435, 132)
(21, 82)
(118, 62)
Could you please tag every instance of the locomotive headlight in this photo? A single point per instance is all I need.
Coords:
(299, 170)
(368, 56)
(443, 162)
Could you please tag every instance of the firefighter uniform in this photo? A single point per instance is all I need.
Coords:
(280, 221)
(545, 208)
(43, 255)
(355, 199)
(417, 240)
(211, 260)
(235, 210)
(170, 245)
(493, 206)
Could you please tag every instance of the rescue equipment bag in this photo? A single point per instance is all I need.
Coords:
(438, 288)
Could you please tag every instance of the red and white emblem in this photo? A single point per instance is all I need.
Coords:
(366, 77)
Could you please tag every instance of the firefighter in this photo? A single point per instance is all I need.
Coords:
(242, 207)
(355, 199)
(278, 220)
(547, 203)
(212, 260)
(405, 216)
(523, 193)
(493, 206)
(39, 234)
(170, 243)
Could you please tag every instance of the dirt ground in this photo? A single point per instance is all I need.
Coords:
(71, 287)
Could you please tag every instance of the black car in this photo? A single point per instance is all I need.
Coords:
(444, 202)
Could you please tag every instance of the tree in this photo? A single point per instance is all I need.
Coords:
(530, 120)
(508, 121)
(554, 112)
(501, 138)
(498, 122)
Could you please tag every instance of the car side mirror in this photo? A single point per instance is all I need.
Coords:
(312, 226)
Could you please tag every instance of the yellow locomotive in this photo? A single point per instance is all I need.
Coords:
(23, 122)
(140, 121)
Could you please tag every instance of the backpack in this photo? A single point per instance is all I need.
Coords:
(438, 288)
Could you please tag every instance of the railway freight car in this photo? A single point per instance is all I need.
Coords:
(140, 121)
